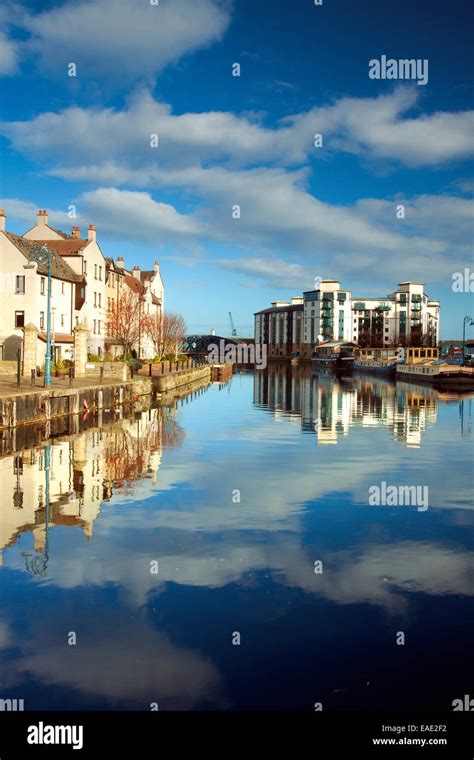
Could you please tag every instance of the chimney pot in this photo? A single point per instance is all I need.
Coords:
(91, 235)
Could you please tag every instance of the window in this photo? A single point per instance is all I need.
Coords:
(95, 271)
(85, 266)
(19, 319)
(41, 320)
(100, 299)
(20, 284)
(100, 273)
(95, 299)
(95, 326)
(42, 286)
(62, 288)
(62, 320)
(77, 320)
(98, 327)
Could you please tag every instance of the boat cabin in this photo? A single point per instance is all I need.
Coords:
(421, 355)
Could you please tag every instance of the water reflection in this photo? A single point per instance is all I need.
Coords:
(65, 483)
(329, 406)
(158, 485)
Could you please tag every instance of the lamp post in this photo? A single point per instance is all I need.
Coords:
(41, 257)
(467, 321)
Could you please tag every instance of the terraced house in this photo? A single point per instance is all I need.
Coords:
(83, 282)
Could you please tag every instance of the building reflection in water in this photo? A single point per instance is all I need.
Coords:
(328, 406)
(65, 482)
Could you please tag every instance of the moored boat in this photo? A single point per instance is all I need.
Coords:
(334, 356)
(379, 361)
(423, 366)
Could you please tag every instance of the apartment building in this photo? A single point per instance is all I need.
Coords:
(405, 317)
(83, 284)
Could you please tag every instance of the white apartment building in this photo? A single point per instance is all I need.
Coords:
(405, 317)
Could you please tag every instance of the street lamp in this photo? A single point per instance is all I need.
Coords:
(467, 321)
(41, 257)
(37, 565)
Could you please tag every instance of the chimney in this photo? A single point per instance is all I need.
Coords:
(136, 272)
(76, 232)
(42, 217)
(119, 262)
(3, 220)
(91, 233)
(156, 267)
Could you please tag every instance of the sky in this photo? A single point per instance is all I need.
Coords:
(150, 137)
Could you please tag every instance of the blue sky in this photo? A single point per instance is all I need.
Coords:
(248, 140)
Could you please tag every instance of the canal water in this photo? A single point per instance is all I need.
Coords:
(239, 550)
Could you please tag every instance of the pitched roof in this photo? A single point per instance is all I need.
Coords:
(71, 246)
(31, 248)
(134, 284)
(147, 274)
(64, 235)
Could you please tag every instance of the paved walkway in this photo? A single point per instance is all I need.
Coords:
(8, 385)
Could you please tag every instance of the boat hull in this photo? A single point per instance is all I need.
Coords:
(388, 370)
(449, 380)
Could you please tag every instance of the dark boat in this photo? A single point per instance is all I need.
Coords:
(334, 356)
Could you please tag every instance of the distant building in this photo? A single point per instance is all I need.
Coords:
(405, 317)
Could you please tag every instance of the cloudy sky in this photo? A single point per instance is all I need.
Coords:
(305, 211)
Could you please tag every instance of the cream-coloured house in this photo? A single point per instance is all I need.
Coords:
(85, 258)
(23, 294)
(84, 286)
(147, 286)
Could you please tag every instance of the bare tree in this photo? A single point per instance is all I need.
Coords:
(126, 319)
(167, 331)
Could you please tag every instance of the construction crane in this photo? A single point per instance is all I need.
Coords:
(232, 326)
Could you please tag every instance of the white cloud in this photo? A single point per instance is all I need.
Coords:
(123, 40)
(77, 139)
(274, 271)
(132, 214)
(9, 48)
(217, 160)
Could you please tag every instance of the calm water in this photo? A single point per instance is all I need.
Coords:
(236, 492)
